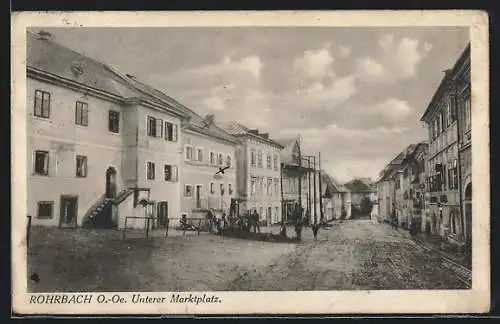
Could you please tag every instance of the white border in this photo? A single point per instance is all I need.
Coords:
(291, 302)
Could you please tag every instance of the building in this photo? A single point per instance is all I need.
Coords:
(297, 178)
(386, 188)
(258, 176)
(461, 75)
(441, 117)
(363, 195)
(206, 149)
(95, 156)
(410, 185)
(336, 199)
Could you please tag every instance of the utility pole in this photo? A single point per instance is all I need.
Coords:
(321, 216)
(314, 184)
(300, 178)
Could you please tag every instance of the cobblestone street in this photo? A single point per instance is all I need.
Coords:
(355, 254)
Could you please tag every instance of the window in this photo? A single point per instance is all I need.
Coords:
(441, 123)
(259, 159)
(220, 159)
(199, 154)
(170, 172)
(448, 112)
(188, 153)
(170, 132)
(212, 158)
(269, 161)
(114, 121)
(468, 113)
(155, 127)
(81, 166)
(222, 189)
(453, 109)
(276, 186)
(212, 187)
(45, 209)
(253, 186)
(229, 189)
(151, 171)
(275, 161)
(269, 186)
(42, 162)
(42, 104)
(253, 159)
(82, 113)
(188, 191)
(228, 160)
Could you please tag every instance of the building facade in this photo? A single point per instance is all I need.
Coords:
(206, 149)
(441, 116)
(93, 158)
(258, 172)
(336, 199)
(463, 103)
(363, 195)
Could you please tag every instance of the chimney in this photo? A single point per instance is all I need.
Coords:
(447, 72)
(42, 34)
(210, 119)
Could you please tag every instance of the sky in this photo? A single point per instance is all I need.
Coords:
(355, 94)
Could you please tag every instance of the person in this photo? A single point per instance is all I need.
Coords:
(255, 219)
(224, 221)
(394, 218)
(315, 228)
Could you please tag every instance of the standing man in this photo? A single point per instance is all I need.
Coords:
(255, 221)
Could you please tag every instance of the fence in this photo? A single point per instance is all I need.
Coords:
(193, 224)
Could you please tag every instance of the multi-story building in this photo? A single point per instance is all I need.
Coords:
(336, 199)
(461, 74)
(441, 117)
(206, 149)
(95, 156)
(301, 191)
(386, 188)
(258, 176)
(410, 185)
(363, 195)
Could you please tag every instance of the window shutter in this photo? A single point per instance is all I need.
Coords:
(174, 173)
(174, 133)
(159, 128)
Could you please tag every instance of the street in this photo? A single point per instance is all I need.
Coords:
(353, 254)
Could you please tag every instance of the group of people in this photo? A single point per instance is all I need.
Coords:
(243, 223)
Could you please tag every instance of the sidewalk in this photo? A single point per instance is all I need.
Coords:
(454, 252)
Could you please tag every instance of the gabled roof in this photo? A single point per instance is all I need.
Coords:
(50, 57)
(47, 56)
(333, 186)
(356, 185)
(236, 129)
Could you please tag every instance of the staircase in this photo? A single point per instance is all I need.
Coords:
(100, 214)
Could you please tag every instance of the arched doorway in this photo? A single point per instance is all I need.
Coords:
(468, 211)
(110, 182)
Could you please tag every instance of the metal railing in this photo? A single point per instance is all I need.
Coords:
(194, 224)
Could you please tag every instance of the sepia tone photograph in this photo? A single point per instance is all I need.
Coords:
(247, 159)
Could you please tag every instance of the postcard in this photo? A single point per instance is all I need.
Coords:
(273, 162)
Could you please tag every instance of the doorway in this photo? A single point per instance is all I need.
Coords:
(162, 213)
(69, 211)
(268, 216)
(110, 182)
(198, 194)
(468, 211)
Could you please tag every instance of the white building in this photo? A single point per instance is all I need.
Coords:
(258, 175)
(93, 153)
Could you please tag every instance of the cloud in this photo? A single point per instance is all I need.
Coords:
(369, 69)
(344, 51)
(393, 109)
(315, 63)
(214, 103)
(396, 60)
